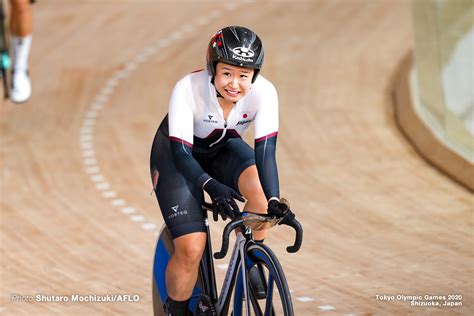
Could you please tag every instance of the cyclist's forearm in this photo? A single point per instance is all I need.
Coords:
(185, 162)
(265, 148)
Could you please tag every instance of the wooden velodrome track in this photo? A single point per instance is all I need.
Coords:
(77, 216)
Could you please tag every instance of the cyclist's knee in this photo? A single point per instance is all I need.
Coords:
(189, 248)
(250, 186)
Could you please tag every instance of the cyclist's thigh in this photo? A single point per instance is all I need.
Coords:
(231, 161)
(179, 200)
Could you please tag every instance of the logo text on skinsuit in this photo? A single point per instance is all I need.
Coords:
(210, 120)
(176, 212)
(243, 122)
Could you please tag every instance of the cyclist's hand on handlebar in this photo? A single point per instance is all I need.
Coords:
(278, 209)
(223, 199)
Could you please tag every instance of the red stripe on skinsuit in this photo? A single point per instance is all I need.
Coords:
(181, 141)
(266, 137)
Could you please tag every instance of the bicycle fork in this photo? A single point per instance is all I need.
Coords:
(245, 283)
(242, 284)
(235, 262)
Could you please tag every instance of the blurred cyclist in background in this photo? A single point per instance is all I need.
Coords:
(198, 146)
(21, 30)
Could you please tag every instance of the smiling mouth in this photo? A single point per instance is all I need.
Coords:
(232, 93)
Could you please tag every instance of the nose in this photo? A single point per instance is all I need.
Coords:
(234, 82)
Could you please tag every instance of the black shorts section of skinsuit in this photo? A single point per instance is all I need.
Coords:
(180, 200)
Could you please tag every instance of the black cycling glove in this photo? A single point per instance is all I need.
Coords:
(278, 209)
(223, 199)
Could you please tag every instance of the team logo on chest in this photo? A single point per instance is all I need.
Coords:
(210, 118)
(245, 119)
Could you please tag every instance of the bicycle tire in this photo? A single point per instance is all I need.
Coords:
(164, 250)
(278, 300)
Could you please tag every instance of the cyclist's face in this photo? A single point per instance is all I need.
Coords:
(233, 82)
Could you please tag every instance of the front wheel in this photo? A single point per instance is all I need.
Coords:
(277, 300)
(164, 251)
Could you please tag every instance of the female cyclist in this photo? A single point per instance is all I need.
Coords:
(198, 146)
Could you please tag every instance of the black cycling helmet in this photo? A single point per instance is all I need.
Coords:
(235, 45)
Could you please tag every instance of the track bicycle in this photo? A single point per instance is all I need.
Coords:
(237, 297)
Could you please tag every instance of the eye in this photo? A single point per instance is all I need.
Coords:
(226, 74)
(244, 76)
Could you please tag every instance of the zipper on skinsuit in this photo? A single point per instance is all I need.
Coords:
(225, 123)
(224, 131)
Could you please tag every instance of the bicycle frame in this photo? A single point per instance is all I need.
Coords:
(236, 264)
(206, 267)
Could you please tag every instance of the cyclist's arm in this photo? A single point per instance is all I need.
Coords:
(266, 131)
(181, 122)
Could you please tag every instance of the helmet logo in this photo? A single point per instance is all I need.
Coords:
(217, 39)
(243, 52)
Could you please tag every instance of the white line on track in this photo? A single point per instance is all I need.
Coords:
(91, 114)
(118, 202)
(187, 28)
(92, 170)
(89, 122)
(86, 138)
(86, 131)
(137, 218)
(201, 21)
(128, 210)
(109, 194)
(230, 6)
(97, 178)
(149, 226)
(90, 161)
(215, 15)
(88, 153)
(102, 186)
(163, 43)
(326, 308)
